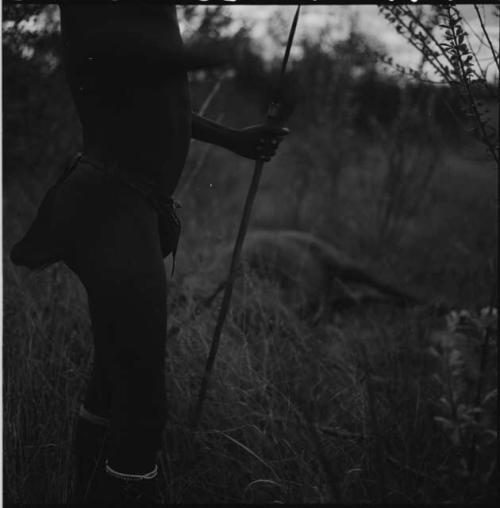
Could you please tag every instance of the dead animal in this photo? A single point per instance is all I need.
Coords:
(309, 272)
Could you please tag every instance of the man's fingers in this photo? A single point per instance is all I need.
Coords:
(269, 141)
(268, 149)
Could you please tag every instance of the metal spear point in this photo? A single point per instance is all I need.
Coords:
(272, 116)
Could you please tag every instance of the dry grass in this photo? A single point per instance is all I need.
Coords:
(339, 411)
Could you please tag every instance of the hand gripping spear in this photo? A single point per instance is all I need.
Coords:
(272, 119)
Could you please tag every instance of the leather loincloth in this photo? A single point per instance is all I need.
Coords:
(43, 245)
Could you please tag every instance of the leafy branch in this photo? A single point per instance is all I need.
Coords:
(438, 35)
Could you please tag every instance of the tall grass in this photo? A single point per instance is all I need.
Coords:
(344, 411)
(340, 411)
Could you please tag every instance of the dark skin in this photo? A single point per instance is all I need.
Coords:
(127, 69)
(255, 142)
(141, 101)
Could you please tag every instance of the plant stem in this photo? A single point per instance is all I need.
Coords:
(436, 64)
(427, 31)
(470, 96)
(493, 52)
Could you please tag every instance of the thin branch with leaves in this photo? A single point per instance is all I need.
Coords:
(438, 35)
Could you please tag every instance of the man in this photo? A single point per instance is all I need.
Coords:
(111, 220)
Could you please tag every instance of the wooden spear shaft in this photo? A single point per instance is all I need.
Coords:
(272, 115)
(227, 292)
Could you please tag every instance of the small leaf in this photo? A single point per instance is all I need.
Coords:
(492, 433)
(433, 352)
(445, 422)
(490, 395)
(445, 402)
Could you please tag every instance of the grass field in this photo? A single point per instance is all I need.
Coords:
(371, 404)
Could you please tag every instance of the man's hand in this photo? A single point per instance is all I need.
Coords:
(258, 142)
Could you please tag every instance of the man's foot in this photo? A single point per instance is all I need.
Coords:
(129, 491)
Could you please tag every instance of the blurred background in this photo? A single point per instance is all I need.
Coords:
(385, 167)
(363, 140)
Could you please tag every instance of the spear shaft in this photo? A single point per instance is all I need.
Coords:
(272, 119)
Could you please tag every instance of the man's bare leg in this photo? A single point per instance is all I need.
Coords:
(116, 254)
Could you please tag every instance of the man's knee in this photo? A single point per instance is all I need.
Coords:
(130, 292)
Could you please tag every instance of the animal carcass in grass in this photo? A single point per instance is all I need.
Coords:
(311, 272)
